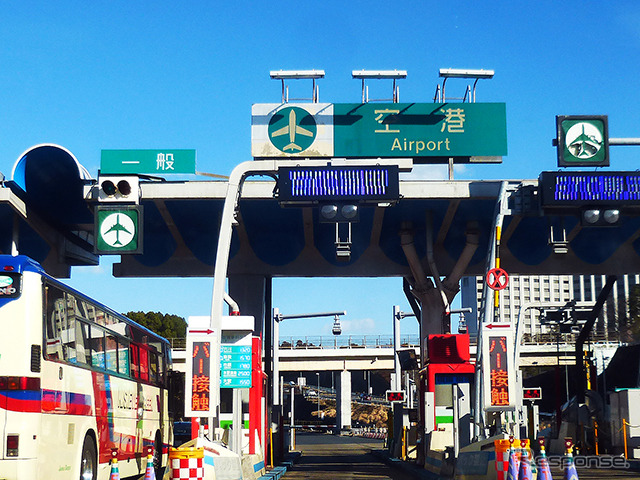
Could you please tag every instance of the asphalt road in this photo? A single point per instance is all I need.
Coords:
(600, 474)
(331, 457)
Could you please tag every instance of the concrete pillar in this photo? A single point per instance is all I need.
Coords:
(249, 292)
(343, 402)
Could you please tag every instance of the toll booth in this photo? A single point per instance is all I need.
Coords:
(449, 386)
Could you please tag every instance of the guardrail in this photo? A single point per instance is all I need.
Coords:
(411, 341)
(326, 341)
(347, 341)
(178, 343)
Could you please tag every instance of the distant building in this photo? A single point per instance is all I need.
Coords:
(550, 291)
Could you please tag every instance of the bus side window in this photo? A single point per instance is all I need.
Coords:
(83, 347)
(161, 370)
(89, 312)
(153, 367)
(56, 321)
(69, 331)
(71, 305)
(111, 353)
(97, 347)
(135, 350)
(69, 340)
(123, 356)
(144, 364)
(111, 320)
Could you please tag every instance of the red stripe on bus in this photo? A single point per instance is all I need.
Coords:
(66, 403)
(47, 401)
(15, 403)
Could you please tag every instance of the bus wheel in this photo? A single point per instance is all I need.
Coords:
(157, 455)
(89, 461)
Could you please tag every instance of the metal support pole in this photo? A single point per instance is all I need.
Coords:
(275, 322)
(318, 375)
(271, 463)
(624, 141)
(276, 410)
(292, 392)
(396, 347)
(487, 315)
(237, 422)
(234, 188)
(456, 420)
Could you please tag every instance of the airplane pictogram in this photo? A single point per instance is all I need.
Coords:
(117, 227)
(584, 145)
(292, 129)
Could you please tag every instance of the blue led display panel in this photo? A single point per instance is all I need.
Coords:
(335, 183)
(576, 189)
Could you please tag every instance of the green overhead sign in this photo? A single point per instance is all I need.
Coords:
(151, 162)
(420, 130)
(433, 132)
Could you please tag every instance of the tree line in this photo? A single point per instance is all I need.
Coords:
(164, 324)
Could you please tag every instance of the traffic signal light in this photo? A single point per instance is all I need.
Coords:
(600, 217)
(339, 212)
(337, 328)
(393, 396)
(120, 188)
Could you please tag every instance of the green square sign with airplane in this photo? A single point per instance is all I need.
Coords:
(582, 140)
(118, 230)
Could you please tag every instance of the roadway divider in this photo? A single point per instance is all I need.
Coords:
(277, 472)
(186, 463)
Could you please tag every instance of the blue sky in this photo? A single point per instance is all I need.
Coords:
(185, 74)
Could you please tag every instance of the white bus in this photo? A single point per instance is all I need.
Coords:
(78, 381)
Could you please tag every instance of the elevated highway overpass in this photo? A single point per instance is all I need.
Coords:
(375, 352)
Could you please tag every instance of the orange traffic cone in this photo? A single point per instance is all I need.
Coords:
(115, 473)
(544, 472)
(525, 472)
(570, 472)
(150, 472)
(514, 461)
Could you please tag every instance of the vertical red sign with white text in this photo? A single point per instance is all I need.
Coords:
(199, 392)
(498, 366)
(200, 376)
(499, 374)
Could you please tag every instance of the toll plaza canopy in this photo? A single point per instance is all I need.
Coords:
(47, 213)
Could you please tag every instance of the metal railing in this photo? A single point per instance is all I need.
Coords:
(552, 338)
(178, 343)
(409, 341)
(347, 341)
(330, 341)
